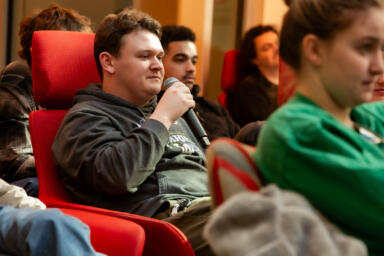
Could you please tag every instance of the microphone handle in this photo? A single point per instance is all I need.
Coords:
(197, 128)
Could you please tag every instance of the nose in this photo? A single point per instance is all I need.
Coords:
(156, 64)
(377, 66)
(190, 67)
(380, 81)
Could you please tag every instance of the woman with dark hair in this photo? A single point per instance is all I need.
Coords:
(255, 97)
(324, 142)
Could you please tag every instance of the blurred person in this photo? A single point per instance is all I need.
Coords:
(118, 148)
(324, 142)
(180, 62)
(17, 164)
(254, 98)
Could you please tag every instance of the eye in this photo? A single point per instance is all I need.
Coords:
(179, 60)
(266, 47)
(144, 56)
(366, 48)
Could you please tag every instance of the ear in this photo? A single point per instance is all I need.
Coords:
(312, 48)
(107, 63)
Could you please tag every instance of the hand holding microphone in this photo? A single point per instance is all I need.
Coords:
(174, 103)
(190, 115)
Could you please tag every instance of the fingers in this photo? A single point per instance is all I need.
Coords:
(182, 87)
(183, 92)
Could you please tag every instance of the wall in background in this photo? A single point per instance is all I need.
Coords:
(263, 12)
(274, 11)
(3, 32)
(224, 37)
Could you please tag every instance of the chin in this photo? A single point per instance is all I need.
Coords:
(189, 85)
(377, 97)
(365, 99)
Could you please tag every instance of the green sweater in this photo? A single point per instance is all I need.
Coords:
(305, 149)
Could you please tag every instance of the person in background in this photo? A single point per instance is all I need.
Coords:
(324, 142)
(27, 228)
(118, 148)
(17, 164)
(254, 98)
(180, 62)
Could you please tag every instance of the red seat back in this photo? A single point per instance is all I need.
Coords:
(229, 75)
(287, 81)
(43, 127)
(61, 66)
(62, 63)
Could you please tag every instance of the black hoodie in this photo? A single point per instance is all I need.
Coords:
(112, 155)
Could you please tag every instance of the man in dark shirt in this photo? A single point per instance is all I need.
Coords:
(180, 62)
(119, 148)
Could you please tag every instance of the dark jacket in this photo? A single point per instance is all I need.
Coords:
(113, 156)
(254, 99)
(213, 116)
(16, 102)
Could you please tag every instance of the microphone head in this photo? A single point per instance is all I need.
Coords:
(169, 82)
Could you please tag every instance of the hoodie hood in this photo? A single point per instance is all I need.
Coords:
(95, 92)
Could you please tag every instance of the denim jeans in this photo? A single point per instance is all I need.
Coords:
(42, 232)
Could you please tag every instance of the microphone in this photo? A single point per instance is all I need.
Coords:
(191, 118)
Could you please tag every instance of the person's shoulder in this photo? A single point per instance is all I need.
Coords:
(297, 111)
(16, 78)
(298, 118)
(16, 68)
(247, 81)
(372, 109)
(206, 101)
(370, 115)
(206, 104)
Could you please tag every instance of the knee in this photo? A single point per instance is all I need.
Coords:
(54, 221)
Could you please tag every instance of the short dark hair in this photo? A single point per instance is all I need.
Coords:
(114, 26)
(247, 48)
(321, 18)
(176, 33)
(54, 17)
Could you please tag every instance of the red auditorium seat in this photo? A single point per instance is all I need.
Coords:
(111, 235)
(62, 63)
(229, 75)
(287, 82)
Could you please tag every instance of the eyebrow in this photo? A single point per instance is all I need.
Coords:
(150, 51)
(267, 44)
(370, 39)
(184, 56)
